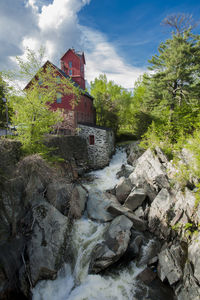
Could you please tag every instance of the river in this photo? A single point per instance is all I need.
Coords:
(74, 282)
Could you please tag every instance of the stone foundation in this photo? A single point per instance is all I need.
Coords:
(100, 144)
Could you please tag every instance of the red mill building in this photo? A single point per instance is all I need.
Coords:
(100, 141)
(72, 65)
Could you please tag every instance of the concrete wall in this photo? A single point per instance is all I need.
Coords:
(99, 154)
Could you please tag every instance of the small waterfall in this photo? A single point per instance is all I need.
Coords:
(73, 282)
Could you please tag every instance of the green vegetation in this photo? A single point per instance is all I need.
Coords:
(33, 118)
(5, 112)
(113, 104)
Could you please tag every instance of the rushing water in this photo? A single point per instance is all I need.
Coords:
(76, 284)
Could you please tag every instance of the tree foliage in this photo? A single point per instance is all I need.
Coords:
(173, 88)
(112, 103)
(33, 115)
(3, 113)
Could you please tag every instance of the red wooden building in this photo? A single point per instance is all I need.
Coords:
(72, 66)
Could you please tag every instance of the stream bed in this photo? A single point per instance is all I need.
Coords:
(73, 281)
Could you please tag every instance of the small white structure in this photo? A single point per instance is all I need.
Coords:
(100, 143)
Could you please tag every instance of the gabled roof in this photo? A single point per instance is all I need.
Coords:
(64, 75)
(79, 54)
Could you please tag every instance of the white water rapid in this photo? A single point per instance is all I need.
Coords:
(76, 284)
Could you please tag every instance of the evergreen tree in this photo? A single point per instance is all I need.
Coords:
(173, 88)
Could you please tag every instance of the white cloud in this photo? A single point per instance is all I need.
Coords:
(55, 25)
(103, 58)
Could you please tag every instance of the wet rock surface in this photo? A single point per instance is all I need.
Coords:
(47, 243)
(115, 243)
(147, 221)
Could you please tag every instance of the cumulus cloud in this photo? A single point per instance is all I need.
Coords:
(55, 25)
(103, 58)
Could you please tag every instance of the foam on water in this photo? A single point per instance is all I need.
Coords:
(76, 284)
(106, 178)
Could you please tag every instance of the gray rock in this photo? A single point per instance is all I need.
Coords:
(149, 174)
(115, 243)
(115, 209)
(47, 244)
(123, 189)
(135, 198)
(97, 205)
(194, 256)
(146, 276)
(159, 214)
(125, 171)
(139, 212)
(58, 194)
(184, 204)
(134, 152)
(77, 202)
(171, 264)
(161, 156)
(135, 246)
(188, 289)
(10, 263)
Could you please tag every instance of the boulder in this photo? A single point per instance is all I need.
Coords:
(123, 189)
(135, 245)
(58, 194)
(160, 213)
(116, 240)
(97, 205)
(171, 263)
(47, 243)
(77, 202)
(116, 209)
(146, 276)
(125, 171)
(149, 174)
(135, 198)
(194, 255)
(10, 152)
(184, 207)
(189, 288)
(139, 212)
(10, 262)
(134, 151)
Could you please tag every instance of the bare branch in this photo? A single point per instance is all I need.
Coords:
(180, 23)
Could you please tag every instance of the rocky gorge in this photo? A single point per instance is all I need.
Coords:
(129, 231)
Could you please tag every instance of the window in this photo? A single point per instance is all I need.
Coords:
(59, 98)
(70, 64)
(70, 72)
(91, 139)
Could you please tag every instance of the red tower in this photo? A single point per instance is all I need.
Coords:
(72, 63)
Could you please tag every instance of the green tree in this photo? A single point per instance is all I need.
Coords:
(112, 103)
(33, 116)
(5, 112)
(173, 88)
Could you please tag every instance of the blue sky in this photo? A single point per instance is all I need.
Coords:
(118, 37)
(134, 27)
